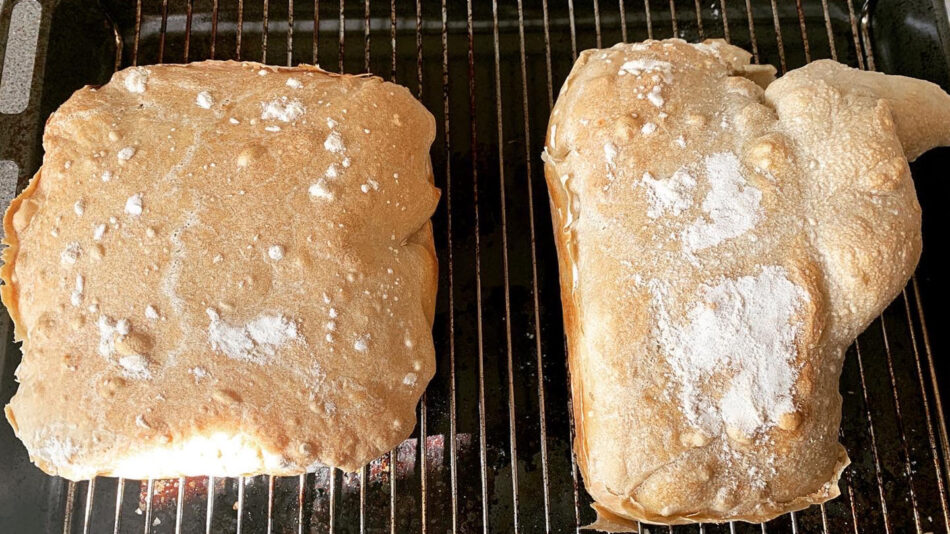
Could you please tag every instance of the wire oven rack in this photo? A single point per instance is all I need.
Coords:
(492, 448)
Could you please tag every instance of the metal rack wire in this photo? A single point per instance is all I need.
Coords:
(498, 407)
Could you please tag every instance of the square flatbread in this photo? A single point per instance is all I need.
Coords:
(223, 269)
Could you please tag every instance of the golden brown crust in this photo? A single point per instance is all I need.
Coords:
(679, 189)
(223, 268)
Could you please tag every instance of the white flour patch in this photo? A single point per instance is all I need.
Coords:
(283, 109)
(136, 80)
(671, 195)
(135, 366)
(636, 67)
(742, 331)
(58, 452)
(732, 205)
(320, 190)
(334, 143)
(254, 341)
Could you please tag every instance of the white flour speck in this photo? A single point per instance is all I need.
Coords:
(362, 343)
(198, 372)
(133, 206)
(204, 100)
(106, 335)
(334, 143)
(654, 96)
(75, 298)
(151, 313)
(98, 232)
(124, 155)
(648, 128)
(79, 207)
(123, 327)
(106, 176)
(276, 252)
(294, 83)
(71, 253)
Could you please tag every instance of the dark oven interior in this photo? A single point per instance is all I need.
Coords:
(492, 448)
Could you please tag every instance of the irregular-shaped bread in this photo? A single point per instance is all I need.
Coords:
(223, 268)
(720, 246)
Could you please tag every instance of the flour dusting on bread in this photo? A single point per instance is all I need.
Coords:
(253, 341)
(742, 333)
(731, 206)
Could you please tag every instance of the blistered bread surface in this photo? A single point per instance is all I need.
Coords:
(223, 268)
(722, 238)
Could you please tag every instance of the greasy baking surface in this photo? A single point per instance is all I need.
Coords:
(223, 268)
(720, 246)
